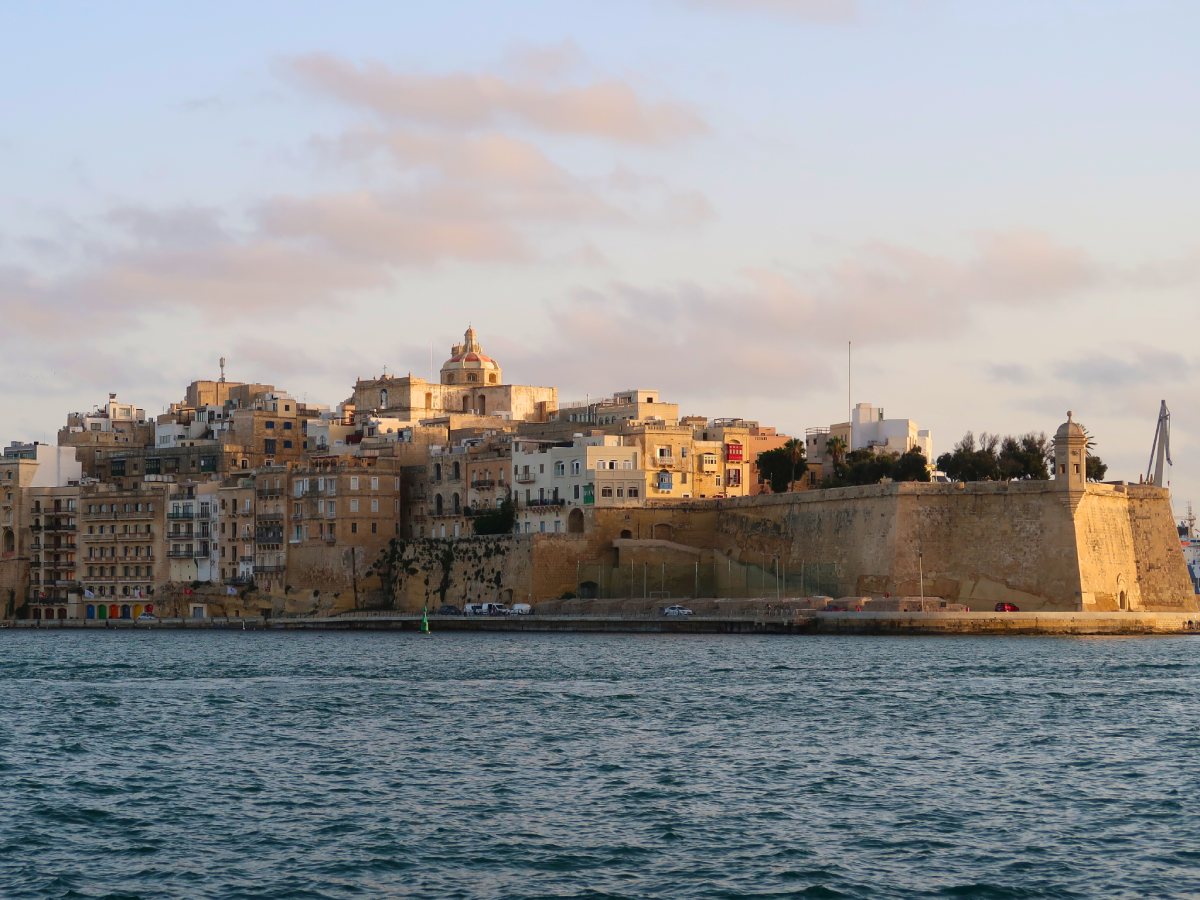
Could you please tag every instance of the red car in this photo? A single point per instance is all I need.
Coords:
(1007, 607)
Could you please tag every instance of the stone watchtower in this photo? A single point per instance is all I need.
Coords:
(1070, 462)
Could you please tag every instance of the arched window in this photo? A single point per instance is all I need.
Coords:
(466, 404)
(437, 471)
(457, 471)
(437, 504)
(482, 405)
(383, 398)
(457, 504)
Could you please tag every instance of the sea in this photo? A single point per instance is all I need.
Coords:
(156, 763)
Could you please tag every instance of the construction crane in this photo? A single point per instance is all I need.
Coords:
(1160, 450)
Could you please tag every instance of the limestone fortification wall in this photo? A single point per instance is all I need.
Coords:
(975, 544)
(978, 544)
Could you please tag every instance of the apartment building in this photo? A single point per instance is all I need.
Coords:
(122, 547)
(53, 547)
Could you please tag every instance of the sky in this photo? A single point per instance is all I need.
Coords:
(996, 204)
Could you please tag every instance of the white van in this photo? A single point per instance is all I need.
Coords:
(520, 609)
(485, 609)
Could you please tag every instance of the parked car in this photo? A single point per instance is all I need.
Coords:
(147, 617)
(449, 609)
(485, 609)
(677, 610)
(1007, 607)
(520, 609)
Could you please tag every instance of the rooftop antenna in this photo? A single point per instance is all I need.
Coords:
(1160, 450)
(222, 370)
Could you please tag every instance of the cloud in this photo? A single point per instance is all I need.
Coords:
(1012, 373)
(1144, 366)
(544, 62)
(610, 110)
(769, 328)
(820, 11)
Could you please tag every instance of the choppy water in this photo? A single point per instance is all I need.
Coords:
(167, 764)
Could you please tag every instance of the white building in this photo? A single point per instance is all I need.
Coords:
(554, 481)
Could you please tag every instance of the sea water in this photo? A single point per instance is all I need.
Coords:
(155, 763)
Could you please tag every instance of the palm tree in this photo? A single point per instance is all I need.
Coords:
(795, 452)
(836, 448)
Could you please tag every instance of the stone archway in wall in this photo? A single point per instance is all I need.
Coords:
(662, 531)
(10, 541)
(575, 521)
(626, 534)
(1122, 596)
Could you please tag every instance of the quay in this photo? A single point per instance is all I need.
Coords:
(797, 622)
(800, 622)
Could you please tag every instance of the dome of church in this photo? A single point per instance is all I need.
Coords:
(468, 364)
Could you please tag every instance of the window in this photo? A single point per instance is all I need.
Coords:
(354, 528)
(271, 425)
(620, 492)
(575, 467)
(287, 426)
(374, 483)
(353, 506)
(287, 445)
(354, 482)
(375, 527)
(269, 446)
(606, 491)
(576, 492)
(560, 468)
(374, 506)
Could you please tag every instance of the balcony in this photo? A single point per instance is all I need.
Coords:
(266, 493)
(546, 502)
(126, 514)
(270, 517)
(188, 553)
(526, 477)
(483, 484)
(271, 536)
(274, 567)
(664, 460)
(181, 514)
(246, 559)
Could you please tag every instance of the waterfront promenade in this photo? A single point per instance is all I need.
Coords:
(783, 622)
